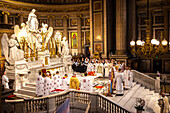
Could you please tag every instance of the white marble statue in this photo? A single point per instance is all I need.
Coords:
(65, 49)
(32, 21)
(10, 50)
(15, 53)
(44, 28)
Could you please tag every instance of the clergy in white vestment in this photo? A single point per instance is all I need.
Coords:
(106, 67)
(100, 68)
(130, 78)
(89, 67)
(47, 85)
(95, 65)
(165, 106)
(40, 85)
(119, 82)
(57, 81)
(5, 81)
(127, 78)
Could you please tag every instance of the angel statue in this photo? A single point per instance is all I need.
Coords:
(65, 49)
(10, 50)
(32, 21)
(44, 28)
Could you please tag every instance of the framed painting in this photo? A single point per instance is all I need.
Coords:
(74, 40)
(98, 47)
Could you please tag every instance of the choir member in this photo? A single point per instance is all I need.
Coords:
(5, 81)
(119, 82)
(40, 85)
(47, 86)
(57, 81)
(86, 84)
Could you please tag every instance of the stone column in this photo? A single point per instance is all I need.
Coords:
(21, 19)
(121, 27)
(5, 17)
(79, 34)
(166, 22)
(65, 26)
(51, 22)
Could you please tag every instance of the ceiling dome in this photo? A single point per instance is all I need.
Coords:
(54, 2)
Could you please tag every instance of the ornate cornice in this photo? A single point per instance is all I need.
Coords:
(27, 7)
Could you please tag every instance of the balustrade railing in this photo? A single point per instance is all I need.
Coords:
(93, 102)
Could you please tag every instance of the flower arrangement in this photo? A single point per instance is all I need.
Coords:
(140, 103)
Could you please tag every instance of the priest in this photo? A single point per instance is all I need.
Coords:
(74, 82)
(106, 67)
(119, 83)
(127, 78)
(100, 67)
(40, 85)
(130, 77)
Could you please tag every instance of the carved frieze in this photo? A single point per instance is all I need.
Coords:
(45, 9)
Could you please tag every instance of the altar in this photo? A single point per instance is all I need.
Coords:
(31, 49)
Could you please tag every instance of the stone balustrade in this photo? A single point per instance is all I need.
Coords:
(79, 102)
(146, 80)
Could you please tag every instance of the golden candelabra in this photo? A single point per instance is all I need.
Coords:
(54, 49)
(31, 54)
(150, 48)
(43, 34)
(51, 49)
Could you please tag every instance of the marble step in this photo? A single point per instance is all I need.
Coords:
(141, 93)
(29, 88)
(147, 99)
(153, 106)
(117, 98)
(26, 92)
(131, 102)
(123, 101)
(22, 95)
(31, 84)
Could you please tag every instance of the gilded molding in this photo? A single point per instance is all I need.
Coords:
(65, 16)
(44, 9)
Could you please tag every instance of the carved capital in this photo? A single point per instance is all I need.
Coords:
(50, 16)
(5, 12)
(80, 15)
(65, 16)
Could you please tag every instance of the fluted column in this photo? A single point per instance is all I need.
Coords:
(121, 27)
(65, 26)
(5, 17)
(79, 34)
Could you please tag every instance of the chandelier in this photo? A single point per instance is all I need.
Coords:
(149, 48)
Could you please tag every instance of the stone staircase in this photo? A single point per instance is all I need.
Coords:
(137, 91)
(127, 100)
(28, 91)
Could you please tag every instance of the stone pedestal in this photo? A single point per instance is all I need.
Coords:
(67, 63)
(18, 73)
